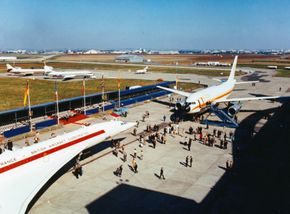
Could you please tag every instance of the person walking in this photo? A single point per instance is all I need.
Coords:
(161, 174)
(164, 118)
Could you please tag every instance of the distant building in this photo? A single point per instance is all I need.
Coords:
(92, 52)
(212, 64)
(8, 58)
(129, 58)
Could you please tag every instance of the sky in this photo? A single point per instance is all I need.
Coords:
(149, 24)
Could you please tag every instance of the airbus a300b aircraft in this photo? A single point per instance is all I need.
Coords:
(201, 100)
(23, 172)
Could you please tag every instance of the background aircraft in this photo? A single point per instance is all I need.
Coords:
(28, 71)
(67, 75)
(142, 71)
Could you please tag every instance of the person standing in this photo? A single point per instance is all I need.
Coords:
(189, 144)
(186, 161)
(164, 118)
(161, 174)
(120, 171)
(190, 161)
(124, 156)
(135, 153)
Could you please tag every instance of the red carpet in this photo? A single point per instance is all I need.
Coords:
(114, 114)
(73, 119)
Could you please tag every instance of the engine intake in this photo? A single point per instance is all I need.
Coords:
(234, 109)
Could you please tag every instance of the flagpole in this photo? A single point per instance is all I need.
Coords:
(119, 90)
(103, 93)
(84, 90)
(57, 106)
(29, 107)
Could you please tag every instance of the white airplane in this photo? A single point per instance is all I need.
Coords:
(68, 75)
(200, 101)
(24, 171)
(142, 71)
(28, 71)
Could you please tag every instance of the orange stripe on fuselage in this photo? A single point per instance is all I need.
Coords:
(210, 101)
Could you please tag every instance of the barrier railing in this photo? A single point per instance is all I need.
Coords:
(16, 131)
(45, 124)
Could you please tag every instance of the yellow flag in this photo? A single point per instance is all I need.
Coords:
(26, 93)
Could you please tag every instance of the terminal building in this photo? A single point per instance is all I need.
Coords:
(129, 58)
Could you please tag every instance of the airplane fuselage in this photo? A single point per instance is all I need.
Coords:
(201, 99)
(24, 171)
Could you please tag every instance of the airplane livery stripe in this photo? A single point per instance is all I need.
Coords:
(216, 98)
(49, 151)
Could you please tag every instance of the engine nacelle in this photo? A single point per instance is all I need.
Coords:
(234, 109)
(182, 106)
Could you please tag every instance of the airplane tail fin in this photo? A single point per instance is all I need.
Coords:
(233, 70)
(9, 67)
(47, 69)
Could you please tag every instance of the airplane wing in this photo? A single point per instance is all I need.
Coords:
(251, 98)
(182, 93)
(24, 182)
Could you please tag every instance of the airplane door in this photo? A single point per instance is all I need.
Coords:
(200, 102)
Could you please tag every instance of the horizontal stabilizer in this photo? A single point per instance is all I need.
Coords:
(246, 82)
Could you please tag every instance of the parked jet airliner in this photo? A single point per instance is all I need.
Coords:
(28, 71)
(68, 75)
(24, 171)
(142, 71)
(201, 100)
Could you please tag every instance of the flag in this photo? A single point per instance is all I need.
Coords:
(26, 93)
(119, 84)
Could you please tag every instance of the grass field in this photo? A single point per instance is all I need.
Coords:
(41, 91)
(282, 73)
(68, 65)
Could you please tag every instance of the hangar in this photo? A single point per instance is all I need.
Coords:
(129, 58)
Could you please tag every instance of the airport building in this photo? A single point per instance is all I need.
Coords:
(129, 59)
(8, 58)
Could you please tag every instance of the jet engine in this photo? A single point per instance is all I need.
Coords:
(182, 106)
(234, 108)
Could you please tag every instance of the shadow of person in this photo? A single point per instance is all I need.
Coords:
(157, 175)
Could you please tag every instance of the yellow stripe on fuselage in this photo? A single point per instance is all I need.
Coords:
(216, 98)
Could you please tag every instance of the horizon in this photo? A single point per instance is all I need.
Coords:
(152, 25)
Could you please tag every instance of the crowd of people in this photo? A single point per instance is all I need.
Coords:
(158, 134)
